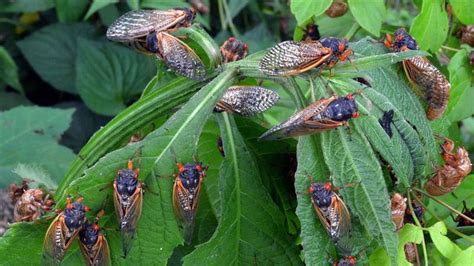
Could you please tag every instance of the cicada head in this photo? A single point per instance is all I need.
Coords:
(190, 176)
(321, 194)
(342, 109)
(347, 261)
(94, 246)
(189, 17)
(126, 182)
(233, 50)
(311, 32)
(402, 40)
(75, 214)
(340, 50)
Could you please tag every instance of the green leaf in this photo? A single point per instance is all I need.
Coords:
(9, 70)
(369, 14)
(304, 10)
(38, 127)
(464, 257)
(442, 243)
(109, 76)
(9, 100)
(460, 76)
(70, 11)
(463, 11)
(134, 4)
(17, 236)
(249, 223)
(51, 51)
(430, 27)
(23, 6)
(36, 174)
(97, 5)
(410, 233)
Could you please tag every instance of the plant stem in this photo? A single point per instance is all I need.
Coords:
(450, 48)
(444, 205)
(231, 24)
(423, 244)
(351, 31)
(221, 15)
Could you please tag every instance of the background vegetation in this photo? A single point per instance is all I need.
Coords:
(61, 82)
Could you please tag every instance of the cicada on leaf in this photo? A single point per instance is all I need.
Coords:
(94, 246)
(386, 122)
(450, 175)
(186, 190)
(398, 206)
(128, 201)
(332, 212)
(430, 83)
(347, 261)
(322, 115)
(246, 100)
(63, 230)
(233, 50)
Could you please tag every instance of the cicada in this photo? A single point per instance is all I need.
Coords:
(431, 83)
(324, 114)
(186, 190)
(148, 31)
(417, 211)
(469, 213)
(450, 175)
(246, 100)
(30, 204)
(128, 200)
(398, 206)
(331, 210)
(347, 261)
(386, 122)
(63, 230)
(233, 50)
(311, 32)
(339, 50)
(94, 246)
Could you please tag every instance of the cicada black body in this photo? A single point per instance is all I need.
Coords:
(339, 50)
(347, 261)
(128, 201)
(324, 114)
(418, 212)
(386, 122)
(233, 50)
(461, 221)
(311, 32)
(63, 230)
(246, 100)
(186, 190)
(398, 206)
(292, 58)
(94, 246)
(432, 84)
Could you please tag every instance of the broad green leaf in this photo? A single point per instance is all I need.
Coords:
(20, 6)
(410, 233)
(442, 243)
(70, 11)
(108, 76)
(249, 222)
(235, 6)
(9, 70)
(430, 27)
(108, 14)
(464, 257)
(463, 11)
(11, 244)
(9, 100)
(462, 92)
(97, 5)
(30, 135)
(35, 174)
(369, 14)
(51, 51)
(304, 10)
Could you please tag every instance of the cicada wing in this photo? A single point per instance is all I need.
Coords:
(340, 230)
(298, 125)
(54, 245)
(180, 58)
(130, 220)
(185, 207)
(291, 58)
(322, 217)
(248, 100)
(138, 23)
(98, 254)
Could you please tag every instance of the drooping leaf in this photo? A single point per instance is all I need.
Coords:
(70, 11)
(369, 14)
(26, 6)
(304, 10)
(462, 9)
(430, 27)
(9, 70)
(249, 222)
(109, 76)
(30, 135)
(51, 51)
(410, 233)
(462, 92)
(442, 243)
(97, 5)
(464, 257)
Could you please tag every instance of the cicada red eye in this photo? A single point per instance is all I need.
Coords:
(62, 232)
(327, 186)
(128, 201)
(93, 244)
(246, 100)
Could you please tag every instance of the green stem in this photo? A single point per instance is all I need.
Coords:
(352, 31)
(228, 16)
(423, 244)
(221, 15)
(450, 48)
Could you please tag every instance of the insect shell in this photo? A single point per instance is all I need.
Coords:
(246, 100)
(324, 114)
(337, 9)
(399, 206)
(63, 230)
(29, 204)
(411, 253)
(128, 201)
(348, 261)
(94, 246)
(186, 190)
(331, 210)
(233, 50)
(386, 121)
(292, 58)
(432, 84)
(450, 175)
(469, 213)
